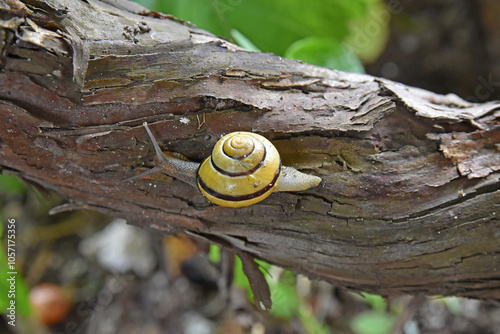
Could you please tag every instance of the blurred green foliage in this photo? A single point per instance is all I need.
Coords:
(377, 320)
(214, 253)
(287, 304)
(320, 32)
(373, 322)
(324, 52)
(11, 185)
(19, 295)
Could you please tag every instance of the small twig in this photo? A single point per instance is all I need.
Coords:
(203, 122)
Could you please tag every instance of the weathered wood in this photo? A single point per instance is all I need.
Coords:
(410, 200)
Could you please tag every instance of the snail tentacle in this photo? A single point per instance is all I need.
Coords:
(159, 153)
(180, 169)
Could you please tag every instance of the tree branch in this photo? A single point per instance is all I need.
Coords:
(410, 196)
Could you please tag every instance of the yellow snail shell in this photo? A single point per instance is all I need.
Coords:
(244, 169)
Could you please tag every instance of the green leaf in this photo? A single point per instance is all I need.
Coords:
(453, 304)
(205, 14)
(214, 253)
(377, 302)
(372, 323)
(10, 184)
(240, 279)
(325, 52)
(243, 41)
(368, 35)
(272, 25)
(285, 299)
(283, 293)
(19, 292)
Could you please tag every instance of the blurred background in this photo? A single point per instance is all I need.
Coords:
(82, 272)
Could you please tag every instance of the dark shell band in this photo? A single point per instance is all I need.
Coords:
(242, 197)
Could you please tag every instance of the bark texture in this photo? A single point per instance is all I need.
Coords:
(410, 198)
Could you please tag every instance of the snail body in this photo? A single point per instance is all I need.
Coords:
(244, 169)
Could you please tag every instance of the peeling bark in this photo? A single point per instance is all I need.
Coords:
(410, 196)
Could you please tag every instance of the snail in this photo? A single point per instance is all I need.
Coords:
(244, 169)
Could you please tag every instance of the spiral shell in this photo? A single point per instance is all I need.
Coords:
(244, 169)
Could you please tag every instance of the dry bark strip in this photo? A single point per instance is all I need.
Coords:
(410, 197)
